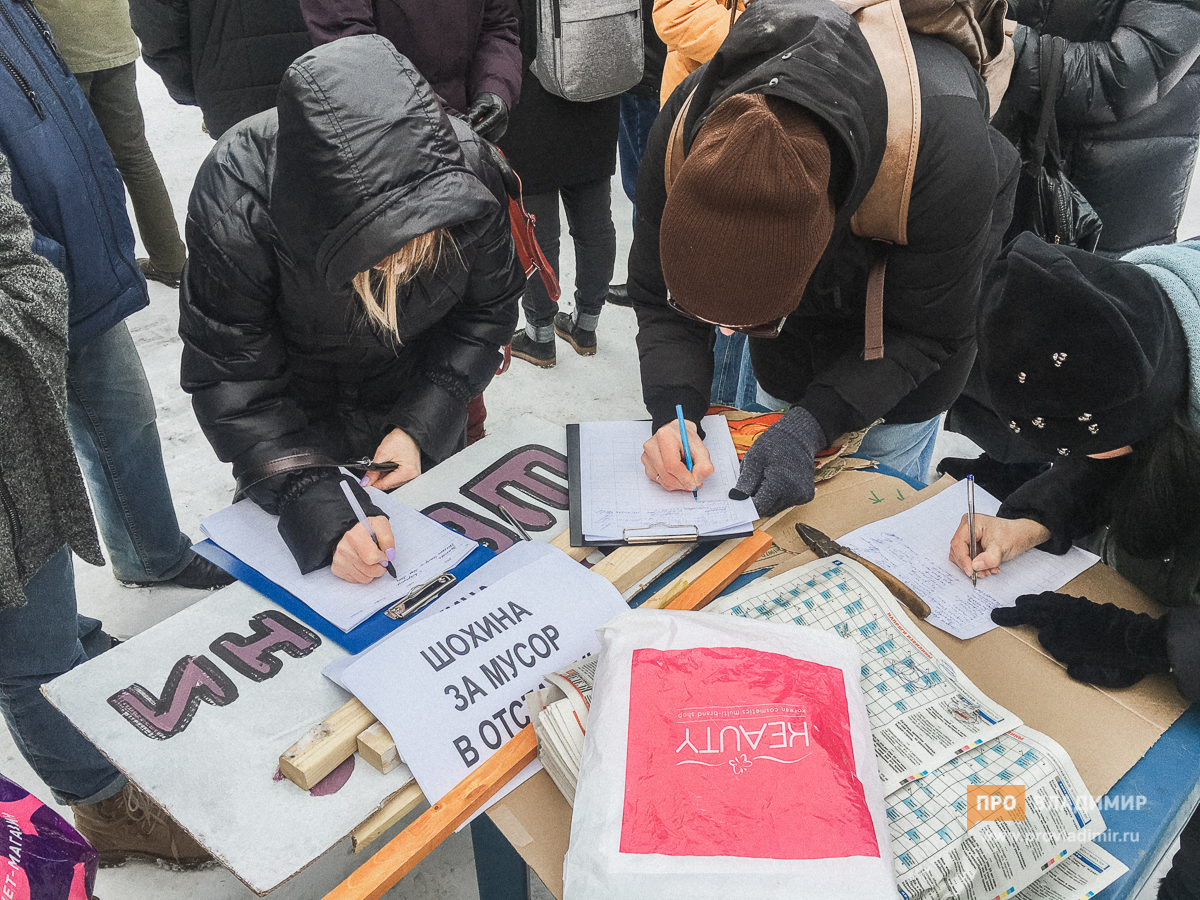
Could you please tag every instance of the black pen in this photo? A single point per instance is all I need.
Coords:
(365, 523)
(511, 519)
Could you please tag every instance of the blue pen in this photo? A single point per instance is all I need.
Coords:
(687, 451)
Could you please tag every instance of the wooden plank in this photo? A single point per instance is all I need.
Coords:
(326, 745)
(398, 857)
(395, 808)
(625, 565)
(375, 746)
(690, 574)
(700, 592)
(562, 541)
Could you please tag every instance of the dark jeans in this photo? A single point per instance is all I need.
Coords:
(589, 218)
(39, 642)
(112, 94)
(637, 115)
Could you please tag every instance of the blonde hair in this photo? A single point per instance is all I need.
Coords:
(422, 253)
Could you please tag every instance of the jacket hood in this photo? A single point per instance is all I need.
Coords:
(812, 53)
(366, 160)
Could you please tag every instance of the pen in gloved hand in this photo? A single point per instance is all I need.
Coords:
(366, 523)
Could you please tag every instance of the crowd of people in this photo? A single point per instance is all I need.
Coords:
(348, 284)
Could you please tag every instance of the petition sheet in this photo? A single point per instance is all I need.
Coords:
(915, 547)
(424, 550)
(619, 500)
(944, 853)
(922, 710)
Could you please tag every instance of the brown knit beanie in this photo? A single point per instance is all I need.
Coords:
(749, 213)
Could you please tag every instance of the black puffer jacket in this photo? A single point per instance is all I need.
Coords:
(278, 355)
(1128, 110)
(961, 204)
(225, 56)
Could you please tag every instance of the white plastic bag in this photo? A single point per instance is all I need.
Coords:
(727, 758)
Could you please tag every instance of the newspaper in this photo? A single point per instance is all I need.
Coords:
(1080, 876)
(941, 853)
(559, 713)
(923, 711)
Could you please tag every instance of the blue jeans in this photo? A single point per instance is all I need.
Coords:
(906, 448)
(111, 416)
(733, 381)
(39, 642)
(637, 115)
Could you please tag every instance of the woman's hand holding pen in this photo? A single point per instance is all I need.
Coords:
(399, 448)
(999, 540)
(357, 559)
(663, 458)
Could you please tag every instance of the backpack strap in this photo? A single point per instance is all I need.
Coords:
(673, 161)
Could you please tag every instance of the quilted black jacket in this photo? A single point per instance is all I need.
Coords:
(291, 204)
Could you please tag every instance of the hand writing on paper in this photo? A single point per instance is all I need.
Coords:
(662, 458)
(399, 448)
(356, 558)
(999, 540)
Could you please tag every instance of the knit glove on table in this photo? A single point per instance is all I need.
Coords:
(1103, 645)
(314, 515)
(778, 469)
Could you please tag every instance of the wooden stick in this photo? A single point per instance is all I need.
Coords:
(676, 587)
(625, 565)
(375, 745)
(326, 745)
(395, 808)
(377, 875)
(701, 591)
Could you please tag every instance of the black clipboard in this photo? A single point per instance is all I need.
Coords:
(575, 513)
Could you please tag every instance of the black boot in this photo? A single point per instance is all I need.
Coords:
(568, 329)
(540, 353)
(618, 295)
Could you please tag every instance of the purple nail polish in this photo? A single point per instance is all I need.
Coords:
(391, 553)
(366, 479)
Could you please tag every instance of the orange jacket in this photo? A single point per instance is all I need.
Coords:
(692, 31)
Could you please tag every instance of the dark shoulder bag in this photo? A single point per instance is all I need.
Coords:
(1048, 204)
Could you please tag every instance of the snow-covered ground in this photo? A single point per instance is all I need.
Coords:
(605, 386)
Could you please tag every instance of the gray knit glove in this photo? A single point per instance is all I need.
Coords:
(778, 469)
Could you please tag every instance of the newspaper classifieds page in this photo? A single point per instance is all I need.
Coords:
(1080, 876)
(923, 711)
(990, 822)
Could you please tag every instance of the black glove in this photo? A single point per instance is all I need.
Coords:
(488, 115)
(778, 469)
(1103, 645)
(314, 515)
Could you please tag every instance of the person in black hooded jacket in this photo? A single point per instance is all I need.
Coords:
(740, 245)
(351, 281)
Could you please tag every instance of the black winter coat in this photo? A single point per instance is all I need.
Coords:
(225, 56)
(550, 141)
(961, 205)
(1128, 110)
(278, 355)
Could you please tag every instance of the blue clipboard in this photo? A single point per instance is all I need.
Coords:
(356, 640)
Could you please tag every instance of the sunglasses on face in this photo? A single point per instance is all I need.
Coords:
(767, 330)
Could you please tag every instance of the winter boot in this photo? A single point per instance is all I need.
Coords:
(131, 825)
(567, 327)
(535, 348)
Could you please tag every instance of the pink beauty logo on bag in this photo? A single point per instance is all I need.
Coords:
(736, 752)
